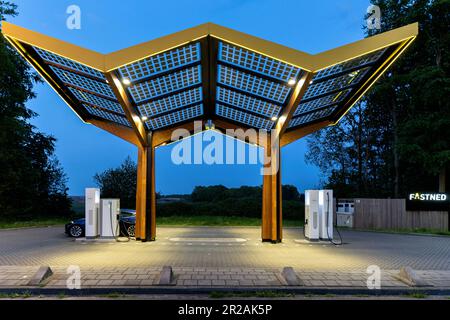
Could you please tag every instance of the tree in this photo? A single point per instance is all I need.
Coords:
(32, 181)
(210, 193)
(119, 183)
(396, 140)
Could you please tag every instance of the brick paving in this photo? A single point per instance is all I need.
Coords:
(236, 259)
(49, 246)
(18, 277)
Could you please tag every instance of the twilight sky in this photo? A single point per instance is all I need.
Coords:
(311, 26)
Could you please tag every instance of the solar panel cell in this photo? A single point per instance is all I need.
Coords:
(97, 101)
(107, 115)
(321, 102)
(175, 117)
(250, 60)
(162, 62)
(244, 102)
(50, 57)
(181, 99)
(258, 86)
(165, 84)
(70, 78)
(243, 117)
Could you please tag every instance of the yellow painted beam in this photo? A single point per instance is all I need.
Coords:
(150, 48)
(106, 63)
(130, 112)
(67, 50)
(274, 50)
(359, 48)
(306, 61)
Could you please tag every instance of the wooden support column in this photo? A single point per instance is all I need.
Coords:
(271, 229)
(145, 193)
(272, 197)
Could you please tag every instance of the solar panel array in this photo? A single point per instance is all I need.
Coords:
(162, 62)
(312, 116)
(89, 98)
(87, 85)
(55, 59)
(253, 61)
(107, 115)
(175, 117)
(325, 101)
(243, 117)
(182, 99)
(253, 85)
(182, 79)
(330, 88)
(241, 101)
(166, 88)
(251, 88)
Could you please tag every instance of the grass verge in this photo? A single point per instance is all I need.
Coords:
(23, 295)
(410, 231)
(35, 222)
(161, 221)
(255, 294)
(217, 221)
(416, 295)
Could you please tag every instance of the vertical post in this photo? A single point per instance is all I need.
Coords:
(442, 178)
(271, 229)
(145, 228)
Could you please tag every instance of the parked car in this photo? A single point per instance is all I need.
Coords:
(127, 222)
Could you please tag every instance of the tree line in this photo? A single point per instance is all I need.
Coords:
(217, 200)
(397, 139)
(32, 181)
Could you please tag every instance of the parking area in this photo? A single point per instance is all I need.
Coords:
(226, 247)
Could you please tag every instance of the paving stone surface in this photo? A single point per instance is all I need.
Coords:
(18, 276)
(243, 262)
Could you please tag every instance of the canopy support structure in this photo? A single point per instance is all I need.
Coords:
(141, 94)
(271, 227)
(145, 229)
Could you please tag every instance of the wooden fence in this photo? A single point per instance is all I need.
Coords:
(392, 214)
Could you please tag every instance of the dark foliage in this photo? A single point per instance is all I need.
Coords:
(119, 183)
(397, 139)
(216, 200)
(32, 181)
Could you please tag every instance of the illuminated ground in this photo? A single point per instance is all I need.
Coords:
(238, 247)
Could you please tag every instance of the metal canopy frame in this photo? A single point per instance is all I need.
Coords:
(209, 72)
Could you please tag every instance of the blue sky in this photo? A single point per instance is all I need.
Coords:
(83, 150)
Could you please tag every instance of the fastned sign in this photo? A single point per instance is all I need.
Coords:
(427, 201)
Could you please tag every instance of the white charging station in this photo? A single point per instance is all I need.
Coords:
(326, 214)
(319, 215)
(312, 215)
(110, 209)
(92, 207)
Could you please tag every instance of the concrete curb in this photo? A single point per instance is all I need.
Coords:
(290, 277)
(43, 273)
(166, 277)
(408, 276)
(207, 290)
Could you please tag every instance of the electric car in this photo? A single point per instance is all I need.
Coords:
(127, 222)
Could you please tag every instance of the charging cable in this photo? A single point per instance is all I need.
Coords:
(328, 223)
(117, 231)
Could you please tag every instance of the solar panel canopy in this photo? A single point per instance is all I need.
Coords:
(216, 75)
